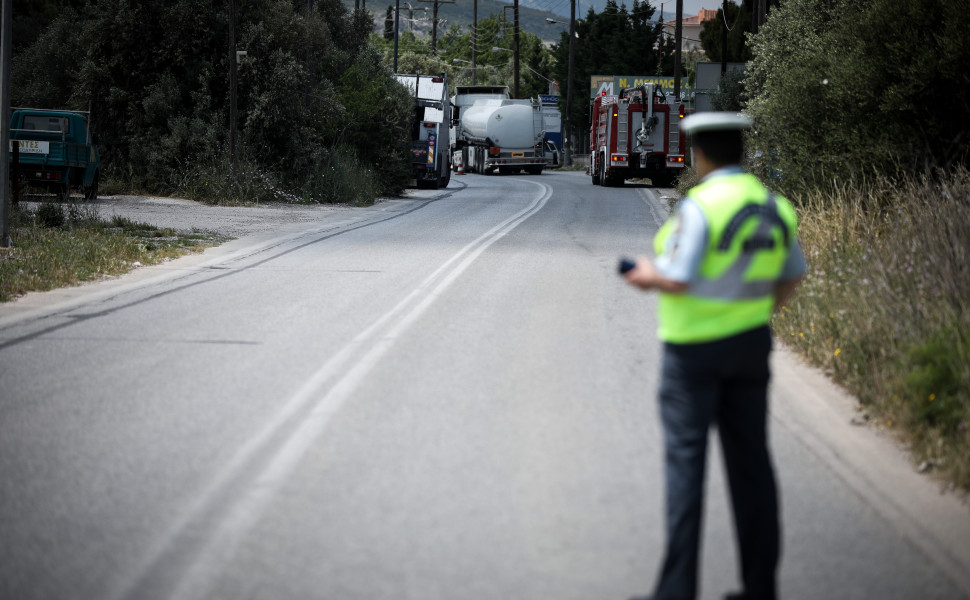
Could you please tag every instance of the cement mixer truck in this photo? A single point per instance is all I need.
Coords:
(494, 132)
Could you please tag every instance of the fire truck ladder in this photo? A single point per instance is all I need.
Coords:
(674, 141)
(622, 128)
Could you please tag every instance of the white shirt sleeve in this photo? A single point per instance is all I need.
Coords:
(683, 250)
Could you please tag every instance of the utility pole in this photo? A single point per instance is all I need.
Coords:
(397, 29)
(474, 40)
(678, 37)
(759, 15)
(660, 44)
(567, 150)
(5, 50)
(233, 75)
(515, 37)
(434, 23)
(309, 69)
(434, 29)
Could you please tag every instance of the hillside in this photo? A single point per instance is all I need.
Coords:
(460, 13)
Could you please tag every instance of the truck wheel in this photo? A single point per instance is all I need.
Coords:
(91, 193)
(595, 170)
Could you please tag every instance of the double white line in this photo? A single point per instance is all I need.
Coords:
(320, 398)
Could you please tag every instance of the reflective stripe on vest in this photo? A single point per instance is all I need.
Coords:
(731, 284)
(734, 288)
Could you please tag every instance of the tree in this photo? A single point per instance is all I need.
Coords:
(730, 92)
(155, 75)
(845, 88)
(738, 20)
(389, 23)
(614, 42)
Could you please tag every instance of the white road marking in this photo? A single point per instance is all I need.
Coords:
(349, 367)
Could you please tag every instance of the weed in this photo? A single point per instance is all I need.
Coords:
(57, 246)
(884, 307)
(51, 214)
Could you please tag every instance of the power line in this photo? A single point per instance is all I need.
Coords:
(724, 18)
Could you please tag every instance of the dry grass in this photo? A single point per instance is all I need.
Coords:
(61, 245)
(885, 308)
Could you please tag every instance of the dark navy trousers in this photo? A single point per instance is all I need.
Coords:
(724, 384)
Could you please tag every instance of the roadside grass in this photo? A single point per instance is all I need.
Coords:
(339, 178)
(60, 245)
(885, 308)
(578, 164)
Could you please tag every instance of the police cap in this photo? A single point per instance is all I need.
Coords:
(715, 121)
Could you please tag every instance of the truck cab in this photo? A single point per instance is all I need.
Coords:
(54, 151)
(430, 130)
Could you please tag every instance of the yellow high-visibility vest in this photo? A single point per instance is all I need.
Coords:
(750, 233)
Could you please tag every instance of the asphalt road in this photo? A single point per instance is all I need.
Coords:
(445, 396)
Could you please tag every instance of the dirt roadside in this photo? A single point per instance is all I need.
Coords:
(232, 221)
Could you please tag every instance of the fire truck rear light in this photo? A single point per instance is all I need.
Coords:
(437, 80)
(429, 124)
(494, 150)
(681, 111)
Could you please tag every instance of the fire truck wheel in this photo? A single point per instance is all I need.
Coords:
(604, 181)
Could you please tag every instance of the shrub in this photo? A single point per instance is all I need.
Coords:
(884, 308)
(844, 89)
(51, 215)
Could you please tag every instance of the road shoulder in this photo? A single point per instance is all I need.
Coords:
(872, 463)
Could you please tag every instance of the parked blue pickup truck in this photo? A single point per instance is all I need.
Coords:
(55, 151)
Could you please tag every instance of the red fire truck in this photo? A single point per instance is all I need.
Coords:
(636, 134)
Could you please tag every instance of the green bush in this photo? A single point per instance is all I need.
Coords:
(937, 388)
(51, 215)
(844, 89)
(155, 76)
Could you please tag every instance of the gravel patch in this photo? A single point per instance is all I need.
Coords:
(233, 221)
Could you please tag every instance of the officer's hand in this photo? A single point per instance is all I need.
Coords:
(643, 275)
(646, 277)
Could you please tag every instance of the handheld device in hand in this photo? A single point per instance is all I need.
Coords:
(626, 265)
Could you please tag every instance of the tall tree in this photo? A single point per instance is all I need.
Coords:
(737, 20)
(156, 77)
(614, 42)
(846, 88)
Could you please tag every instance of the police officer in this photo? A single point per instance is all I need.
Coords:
(725, 260)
